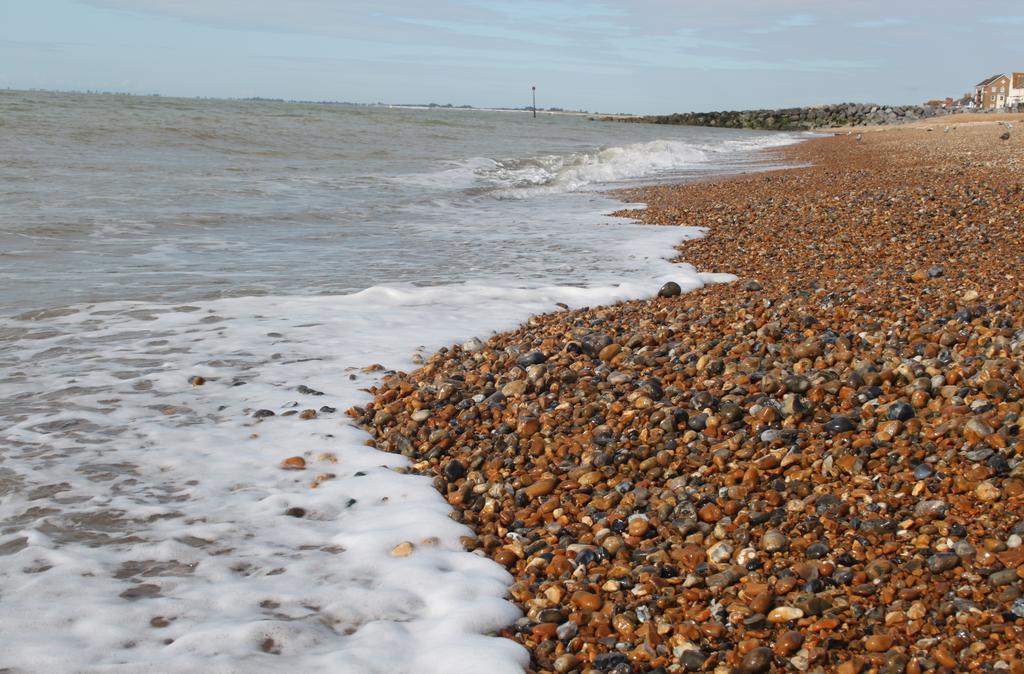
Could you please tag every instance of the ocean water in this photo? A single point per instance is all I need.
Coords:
(278, 251)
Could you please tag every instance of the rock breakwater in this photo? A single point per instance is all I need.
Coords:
(815, 469)
(790, 119)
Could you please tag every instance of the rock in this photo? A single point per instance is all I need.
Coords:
(473, 345)
(670, 289)
(784, 614)
(900, 411)
(933, 507)
(541, 488)
(839, 424)
(756, 661)
(567, 630)
(196, 380)
(878, 643)
(403, 549)
(1004, 577)
(976, 429)
(566, 662)
(987, 492)
(587, 600)
(923, 471)
(789, 642)
(515, 389)
(692, 660)
(942, 561)
(995, 388)
(294, 463)
(454, 470)
(263, 414)
(752, 286)
(720, 553)
(773, 541)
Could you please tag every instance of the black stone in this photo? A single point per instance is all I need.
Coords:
(901, 412)
(816, 551)
(670, 289)
(839, 424)
(692, 661)
(454, 470)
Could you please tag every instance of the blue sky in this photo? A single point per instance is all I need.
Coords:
(640, 56)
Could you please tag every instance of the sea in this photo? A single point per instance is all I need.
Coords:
(173, 271)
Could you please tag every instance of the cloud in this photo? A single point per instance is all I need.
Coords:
(489, 31)
(880, 23)
(786, 23)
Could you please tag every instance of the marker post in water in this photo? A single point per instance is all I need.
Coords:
(534, 102)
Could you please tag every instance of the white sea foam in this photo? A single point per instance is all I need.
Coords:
(521, 179)
(143, 499)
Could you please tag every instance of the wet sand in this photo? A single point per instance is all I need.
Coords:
(814, 468)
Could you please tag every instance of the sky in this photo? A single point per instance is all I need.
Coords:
(639, 56)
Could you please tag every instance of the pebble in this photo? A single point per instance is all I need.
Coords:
(878, 643)
(403, 549)
(756, 661)
(773, 541)
(670, 289)
(473, 345)
(784, 614)
(659, 477)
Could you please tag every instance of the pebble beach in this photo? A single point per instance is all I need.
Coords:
(816, 467)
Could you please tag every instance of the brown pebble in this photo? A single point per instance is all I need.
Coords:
(788, 643)
(587, 600)
(403, 549)
(878, 643)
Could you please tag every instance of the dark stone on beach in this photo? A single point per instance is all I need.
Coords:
(797, 384)
(935, 272)
(531, 358)
(305, 390)
(816, 551)
(1004, 577)
(943, 561)
(692, 661)
(752, 286)
(670, 289)
(900, 411)
(1005, 136)
(327, 409)
(454, 470)
(606, 662)
(756, 661)
(261, 414)
(295, 512)
(923, 471)
(144, 591)
(839, 424)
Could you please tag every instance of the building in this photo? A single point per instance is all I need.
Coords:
(992, 92)
(1015, 96)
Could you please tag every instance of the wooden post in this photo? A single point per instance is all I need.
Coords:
(534, 102)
